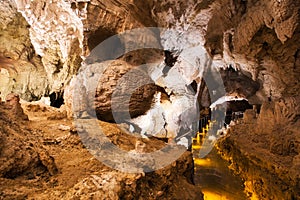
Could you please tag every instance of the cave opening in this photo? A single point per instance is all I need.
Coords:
(56, 99)
(239, 105)
(235, 110)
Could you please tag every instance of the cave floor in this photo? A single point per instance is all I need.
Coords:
(77, 167)
(74, 162)
(216, 180)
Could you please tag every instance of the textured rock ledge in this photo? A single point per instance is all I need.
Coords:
(20, 155)
(265, 176)
(260, 37)
(44, 158)
(265, 150)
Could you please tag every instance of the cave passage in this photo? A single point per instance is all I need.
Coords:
(216, 180)
(212, 173)
(56, 99)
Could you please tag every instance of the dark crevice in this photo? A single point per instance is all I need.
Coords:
(56, 99)
(194, 85)
(238, 106)
(170, 60)
(98, 36)
(59, 67)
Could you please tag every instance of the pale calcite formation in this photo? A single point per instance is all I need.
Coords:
(61, 32)
(41, 53)
(64, 32)
(56, 32)
(19, 65)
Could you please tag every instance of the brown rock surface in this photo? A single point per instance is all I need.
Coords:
(21, 156)
(264, 41)
(42, 51)
(265, 151)
(249, 116)
(80, 175)
(12, 103)
(260, 37)
(128, 98)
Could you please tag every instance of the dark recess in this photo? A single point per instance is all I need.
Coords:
(170, 60)
(56, 99)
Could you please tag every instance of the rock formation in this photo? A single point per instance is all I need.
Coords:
(21, 69)
(20, 155)
(270, 165)
(136, 103)
(264, 44)
(28, 171)
(238, 48)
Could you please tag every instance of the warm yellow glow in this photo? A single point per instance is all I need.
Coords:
(249, 189)
(196, 146)
(209, 195)
(204, 162)
(254, 197)
(198, 138)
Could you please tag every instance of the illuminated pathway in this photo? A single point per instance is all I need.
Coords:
(217, 182)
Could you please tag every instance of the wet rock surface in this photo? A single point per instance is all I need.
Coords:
(264, 150)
